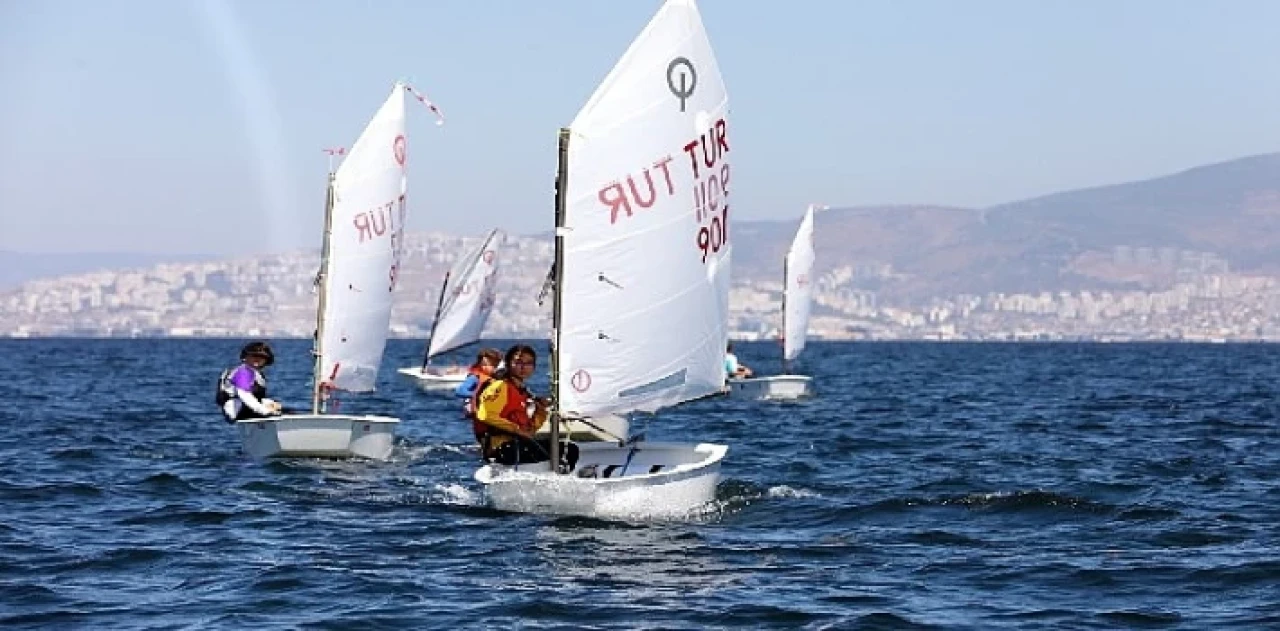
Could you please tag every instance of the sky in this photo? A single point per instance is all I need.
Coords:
(196, 126)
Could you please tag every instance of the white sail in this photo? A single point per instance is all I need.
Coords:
(799, 289)
(470, 294)
(645, 278)
(365, 242)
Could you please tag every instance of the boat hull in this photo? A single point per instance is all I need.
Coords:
(431, 381)
(656, 480)
(318, 436)
(773, 387)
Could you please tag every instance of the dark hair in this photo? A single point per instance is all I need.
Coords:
(518, 349)
(258, 349)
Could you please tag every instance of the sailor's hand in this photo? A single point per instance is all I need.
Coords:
(274, 407)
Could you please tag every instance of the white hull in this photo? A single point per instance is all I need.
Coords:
(774, 387)
(661, 480)
(432, 380)
(616, 426)
(318, 436)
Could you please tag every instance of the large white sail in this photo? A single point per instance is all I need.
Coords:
(645, 280)
(799, 289)
(469, 297)
(365, 241)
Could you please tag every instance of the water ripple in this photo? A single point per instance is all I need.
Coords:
(927, 486)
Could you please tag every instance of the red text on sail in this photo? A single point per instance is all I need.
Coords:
(643, 194)
(385, 219)
(709, 168)
(711, 187)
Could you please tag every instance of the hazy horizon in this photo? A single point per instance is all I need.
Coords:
(170, 129)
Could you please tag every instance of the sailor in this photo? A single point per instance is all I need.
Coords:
(732, 368)
(507, 415)
(242, 391)
(487, 361)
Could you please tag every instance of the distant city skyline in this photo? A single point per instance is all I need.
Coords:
(157, 127)
(271, 296)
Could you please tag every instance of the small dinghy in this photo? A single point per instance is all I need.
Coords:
(466, 299)
(797, 296)
(360, 254)
(641, 281)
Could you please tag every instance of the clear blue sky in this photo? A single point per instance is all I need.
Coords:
(196, 126)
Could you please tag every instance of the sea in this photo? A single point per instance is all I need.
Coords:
(924, 486)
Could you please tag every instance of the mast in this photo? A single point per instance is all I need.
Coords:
(557, 268)
(426, 353)
(317, 402)
(785, 282)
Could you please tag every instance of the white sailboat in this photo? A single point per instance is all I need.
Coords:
(797, 296)
(467, 296)
(642, 256)
(363, 238)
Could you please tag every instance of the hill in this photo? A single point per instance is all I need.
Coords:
(1134, 235)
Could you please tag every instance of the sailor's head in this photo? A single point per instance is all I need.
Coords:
(520, 360)
(257, 353)
(488, 359)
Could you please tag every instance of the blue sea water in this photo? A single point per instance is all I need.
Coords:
(926, 486)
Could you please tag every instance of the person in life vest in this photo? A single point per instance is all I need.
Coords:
(242, 391)
(487, 361)
(507, 415)
(732, 368)
(480, 372)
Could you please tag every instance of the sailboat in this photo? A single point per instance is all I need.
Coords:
(360, 256)
(466, 299)
(797, 296)
(641, 279)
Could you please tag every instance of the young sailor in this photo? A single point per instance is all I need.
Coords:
(486, 363)
(242, 391)
(733, 369)
(507, 415)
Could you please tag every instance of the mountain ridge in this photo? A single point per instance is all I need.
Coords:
(1122, 235)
